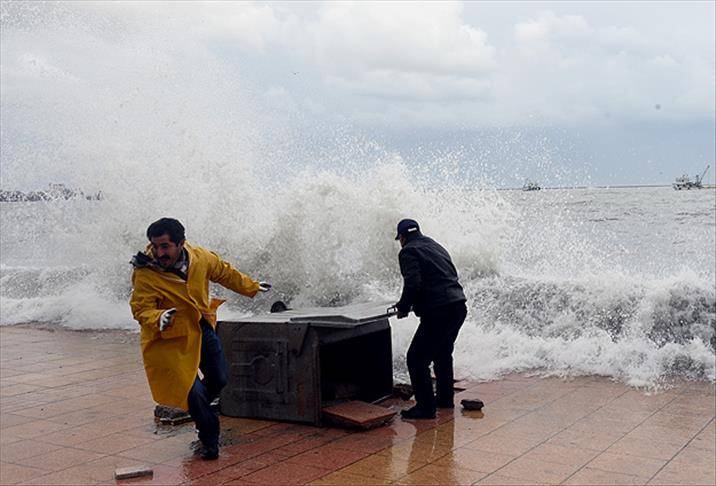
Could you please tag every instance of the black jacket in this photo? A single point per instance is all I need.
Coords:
(429, 276)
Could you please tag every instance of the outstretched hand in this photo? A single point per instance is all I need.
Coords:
(398, 313)
(167, 318)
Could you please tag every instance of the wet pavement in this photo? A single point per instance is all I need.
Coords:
(75, 405)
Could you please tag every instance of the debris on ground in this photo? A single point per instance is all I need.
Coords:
(358, 415)
(475, 404)
(133, 472)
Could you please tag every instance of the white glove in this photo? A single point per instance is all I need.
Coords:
(167, 318)
(264, 286)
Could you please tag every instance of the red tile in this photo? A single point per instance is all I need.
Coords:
(285, 473)
(258, 445)
(332, 433)
(102, 470)
(240, 470)
(58, 459)
(328, 457)
(71, 436)
(213, 479)
(25, 449)
(10, 420)
(273, 428)
(396, 428)
(363, 443)
(113, 443)
(14, 473)
(302, 445)
(195, 467)
(158, 451)
(36, 428)
(269, 458)
(63, 478)
(79, 417)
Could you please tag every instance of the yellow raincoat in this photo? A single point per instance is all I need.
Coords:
(171, 357)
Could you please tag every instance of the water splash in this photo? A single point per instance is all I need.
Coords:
(567, 282)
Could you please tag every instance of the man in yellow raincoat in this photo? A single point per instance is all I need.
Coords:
(170, 300)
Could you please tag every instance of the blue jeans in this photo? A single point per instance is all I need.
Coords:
(213, 366)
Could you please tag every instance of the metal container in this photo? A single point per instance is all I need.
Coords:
(289, 365)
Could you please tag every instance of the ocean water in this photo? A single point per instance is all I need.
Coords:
(157, 116)
(616, 282)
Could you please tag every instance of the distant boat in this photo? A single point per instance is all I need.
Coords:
(531, 186)
(684, 182)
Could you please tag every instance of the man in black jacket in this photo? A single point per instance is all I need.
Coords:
(432, 291)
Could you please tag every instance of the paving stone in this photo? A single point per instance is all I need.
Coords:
(133, 472)
(75, 406)
(357, 414)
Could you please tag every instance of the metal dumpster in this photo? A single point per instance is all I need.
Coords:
(291, 364)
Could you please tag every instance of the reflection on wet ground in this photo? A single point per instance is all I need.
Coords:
(75, 406)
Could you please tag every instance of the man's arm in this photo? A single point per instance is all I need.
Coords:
(144, 304)
(410, 269)
(224, 274)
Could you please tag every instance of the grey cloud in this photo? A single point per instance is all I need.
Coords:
(400, 49)
(562, 67)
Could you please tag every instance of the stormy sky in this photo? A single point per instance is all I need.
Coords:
(563, 92)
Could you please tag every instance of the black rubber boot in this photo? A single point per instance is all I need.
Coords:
(416, 413)
(209, 453)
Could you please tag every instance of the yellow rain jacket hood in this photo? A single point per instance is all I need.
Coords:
(171, 357)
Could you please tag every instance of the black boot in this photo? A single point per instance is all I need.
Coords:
(209, 453)
(416, 413)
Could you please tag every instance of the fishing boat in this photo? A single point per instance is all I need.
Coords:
(684, 182)
(531, 186)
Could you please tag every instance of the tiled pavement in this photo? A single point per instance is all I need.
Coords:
(75, 405)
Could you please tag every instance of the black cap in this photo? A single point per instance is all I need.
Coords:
(407, 226)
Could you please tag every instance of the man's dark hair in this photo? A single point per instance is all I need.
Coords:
(166, 226)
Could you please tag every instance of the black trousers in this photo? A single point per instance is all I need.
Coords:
(203, 392)
(434, 342)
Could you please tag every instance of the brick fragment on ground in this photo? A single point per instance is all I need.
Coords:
(357, 414)
(133, 472)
